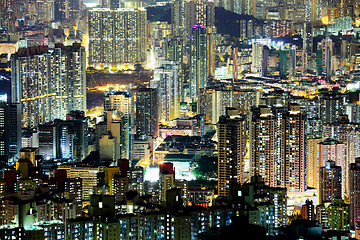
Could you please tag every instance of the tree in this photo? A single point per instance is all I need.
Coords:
(207, 167)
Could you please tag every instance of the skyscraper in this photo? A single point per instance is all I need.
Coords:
(10, 129)
(262, 144)
(186, 13)
(231, 151)
(117, 37)
(331, 106)
(313, 165)
(330, 183)
(256, 57)
(147, 117)
(179, 26)
(48, 82)
(346, 148)
(293, 159)
(327, 54)
(198, 60)
(169, 87)
(354, 194)
(277, 139)
(333, 150)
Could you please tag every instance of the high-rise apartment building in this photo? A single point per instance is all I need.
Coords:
(186, 13)
(313, 164)
(293, 146)
(120, 101)
(169, 88)
(331, 106)
(10, 129)
(262, 144)
(44, 10)
(117, 37)
(147, 117)
(348, 136)
(333, 150)
(199, 71)
(48, 82)
(354, 194)
(277, 140)
(4, 13)
(88, 174)
(178, 21)
(271, 202)
(214, 100)
(327, 54)
(256, 57)
(330, 183)
(231, 151)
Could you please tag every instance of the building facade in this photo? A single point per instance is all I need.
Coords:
(48, 82)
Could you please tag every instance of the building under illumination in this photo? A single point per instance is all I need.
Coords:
(120, 42)
(313, 162)
(293, 160)
(354, 195)
(231, 151)
(330, 182)
(277, 146)
(169, 88)
(198, 62)
(48, 82)
(10, 128)
(262, 144)
(147, 117)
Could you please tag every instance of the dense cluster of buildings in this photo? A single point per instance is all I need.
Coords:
(247, 118)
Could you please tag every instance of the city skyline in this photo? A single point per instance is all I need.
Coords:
(181, 119)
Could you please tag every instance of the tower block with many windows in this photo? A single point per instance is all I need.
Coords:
(231, 151)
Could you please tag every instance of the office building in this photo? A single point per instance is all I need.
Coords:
(65, 139)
